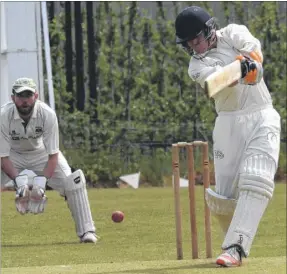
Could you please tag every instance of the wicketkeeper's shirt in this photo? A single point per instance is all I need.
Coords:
(41, 133)
(232, 41)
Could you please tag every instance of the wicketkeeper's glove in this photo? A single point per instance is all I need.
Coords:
(252, 71)
(22, 193)
(38, 199)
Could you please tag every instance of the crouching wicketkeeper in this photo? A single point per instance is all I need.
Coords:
(30, 157)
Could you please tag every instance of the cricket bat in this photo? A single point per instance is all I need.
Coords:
(219, 80)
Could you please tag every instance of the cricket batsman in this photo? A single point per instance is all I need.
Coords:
(246, 136)
(30, 157)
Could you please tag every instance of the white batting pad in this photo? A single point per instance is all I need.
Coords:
(221, 207)
(256, 187)
(257, 174)
(248, 213)
(78, 203)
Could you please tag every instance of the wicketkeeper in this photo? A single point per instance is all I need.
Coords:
(246, 135)
(30, 157)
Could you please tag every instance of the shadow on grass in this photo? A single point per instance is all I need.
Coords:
(164, 269)
(37, 245)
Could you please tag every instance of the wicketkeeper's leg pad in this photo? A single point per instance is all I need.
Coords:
(78, 202)
(256, 187)
(221, 207)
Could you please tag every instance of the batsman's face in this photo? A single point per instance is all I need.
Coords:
(199, 44)
(25, 101)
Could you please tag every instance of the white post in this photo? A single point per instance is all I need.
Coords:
(20, 45)
(38, 27)
(4, 87)
(48, 54)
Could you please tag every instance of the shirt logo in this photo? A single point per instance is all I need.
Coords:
(272, 136)
(14, 135)
(217, 63)
(39, 130)
(195, 75)
(218, 154)
(77, 180)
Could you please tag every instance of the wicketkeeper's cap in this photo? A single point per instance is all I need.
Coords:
(23, 84)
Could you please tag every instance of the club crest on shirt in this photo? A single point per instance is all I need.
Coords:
(39, 130)
(14, 135)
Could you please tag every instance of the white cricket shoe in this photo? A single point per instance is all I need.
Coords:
(231, 257)
(89, 237)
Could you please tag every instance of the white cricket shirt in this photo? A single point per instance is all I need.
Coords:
(41, 133)
(232, 41)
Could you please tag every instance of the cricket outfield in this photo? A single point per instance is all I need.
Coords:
(143, 243)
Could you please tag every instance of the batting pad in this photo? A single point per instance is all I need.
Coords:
(256, 186)
(78, 203)
(221, 207)
(248, 213)
(257, 174)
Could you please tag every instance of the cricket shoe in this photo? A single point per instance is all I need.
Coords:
(231, 257)
(89, 237)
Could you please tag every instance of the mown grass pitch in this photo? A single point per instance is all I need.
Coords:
(143, 243)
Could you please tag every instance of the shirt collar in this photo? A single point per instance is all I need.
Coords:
(34, 114)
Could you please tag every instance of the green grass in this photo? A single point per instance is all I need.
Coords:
(253, 265)
(143, 243)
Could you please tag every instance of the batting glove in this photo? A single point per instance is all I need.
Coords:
(252, 71)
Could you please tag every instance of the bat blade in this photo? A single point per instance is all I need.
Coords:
(219, 80)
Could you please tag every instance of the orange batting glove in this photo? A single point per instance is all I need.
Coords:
(255, 55)
(252, 70)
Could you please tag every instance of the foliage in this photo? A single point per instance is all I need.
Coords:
(145, 100)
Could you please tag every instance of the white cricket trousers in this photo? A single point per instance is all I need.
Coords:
(36, 161)
(239, 135)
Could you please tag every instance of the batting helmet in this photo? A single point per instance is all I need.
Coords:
(191, 22)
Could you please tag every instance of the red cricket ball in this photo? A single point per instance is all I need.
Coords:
(118, 216)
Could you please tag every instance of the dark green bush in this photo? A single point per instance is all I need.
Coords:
(145, 99)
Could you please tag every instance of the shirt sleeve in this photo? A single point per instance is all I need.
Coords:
(199, 72)
(5, 145)
(51, 134)
(241, 39)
